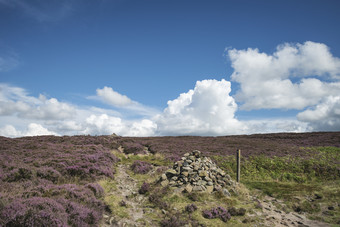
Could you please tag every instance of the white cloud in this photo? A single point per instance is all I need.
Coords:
(144, 127)
(287, 79)
(324, 116)
(275, 126)
(104, 124)
(208, 109)
(18, 109)
(16, 101)
(33, 129)
(305, 77)
(111, 97)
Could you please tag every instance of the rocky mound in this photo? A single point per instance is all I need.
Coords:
(197, 173)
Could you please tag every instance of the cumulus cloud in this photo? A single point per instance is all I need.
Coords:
(104, 124)
(208, 109)
(56, 117)
(32, 129)
(324, 116)
(16, 101)
(290, 78)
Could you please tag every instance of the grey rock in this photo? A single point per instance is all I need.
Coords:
(226, 192)
(197, 188)
(201, 182)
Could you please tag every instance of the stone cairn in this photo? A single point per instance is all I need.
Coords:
(196, 173)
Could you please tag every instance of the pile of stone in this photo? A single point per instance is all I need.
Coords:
(197, 173)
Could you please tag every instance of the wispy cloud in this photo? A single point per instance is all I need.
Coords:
(8, 62)
(113, 98)
(40, 10)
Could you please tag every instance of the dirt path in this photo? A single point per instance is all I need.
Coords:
(128, 190)
(274, 216)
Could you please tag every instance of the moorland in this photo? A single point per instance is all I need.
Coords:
(287, 179)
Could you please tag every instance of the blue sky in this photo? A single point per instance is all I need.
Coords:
(102, 67)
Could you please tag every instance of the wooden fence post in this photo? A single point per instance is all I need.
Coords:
(238, 163)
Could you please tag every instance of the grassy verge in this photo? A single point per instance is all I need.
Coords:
(309, 185)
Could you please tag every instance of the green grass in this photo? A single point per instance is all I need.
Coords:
(296, 181)
(112, 199)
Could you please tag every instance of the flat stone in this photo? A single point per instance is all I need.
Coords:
(207, 178)
(186, 163)
(221, 172)
(164, 183)
(171, 172)
(174, 178)
(201, 182)
(210, 188)
(185, 173)
(171, 183)
(192, 158)
(197, 188)
(203, 173)
(188, 188)
(163, 177)
(186, 154)
(210, 183)
(217, 187)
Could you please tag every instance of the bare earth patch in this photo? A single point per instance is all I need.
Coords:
(273, 216)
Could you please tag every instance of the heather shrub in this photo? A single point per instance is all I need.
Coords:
(173, 221)
(218, 212)
(48, 173)
(131, 147)
(19, 174)
(156, 197)
(237, 212)
(157, 200)
(144, 188)
(36, 211)
(97, 190)
(193, 196)
(140, 167)
(191, 208)
(80, 215)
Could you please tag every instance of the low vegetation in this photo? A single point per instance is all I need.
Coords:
(71, 181)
